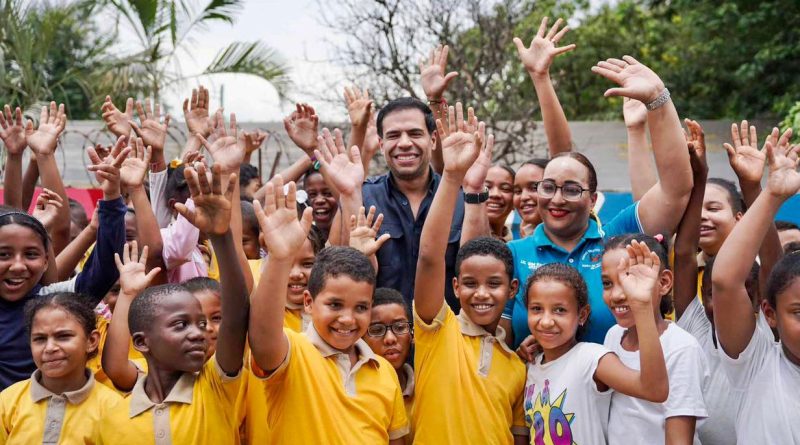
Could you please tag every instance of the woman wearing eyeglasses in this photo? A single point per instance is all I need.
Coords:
(568, 190)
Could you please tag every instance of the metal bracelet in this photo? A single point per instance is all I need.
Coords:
(659, 101)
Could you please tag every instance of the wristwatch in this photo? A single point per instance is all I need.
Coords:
(477, 198)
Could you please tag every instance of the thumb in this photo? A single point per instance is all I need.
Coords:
(613, 92)
(152, 274)
(450, 76)
(381, 239)
(520, 46)
(136, 128)
(306, 220)
(185, 212)
(730, 150)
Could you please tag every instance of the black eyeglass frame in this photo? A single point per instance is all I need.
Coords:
(387, 327)
(560, 187)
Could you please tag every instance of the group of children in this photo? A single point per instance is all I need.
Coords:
(241, 320)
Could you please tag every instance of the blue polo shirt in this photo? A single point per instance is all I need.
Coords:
(537, 250)
(397, 258)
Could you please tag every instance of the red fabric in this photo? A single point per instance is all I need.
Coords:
(87, 197)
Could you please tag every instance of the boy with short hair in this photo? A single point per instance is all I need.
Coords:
(469, 384)
(324, 385)
(184, 398)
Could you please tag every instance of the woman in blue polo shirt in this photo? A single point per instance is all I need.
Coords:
(568, 191)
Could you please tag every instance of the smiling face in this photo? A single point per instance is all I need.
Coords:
(301, 270)
(211, 304)
(566, 220)
(718, 219)
(322, 200)
(59, 344)
(483, 287)
(23, 260)
(501, 195)
(615, 297)
(177, 338)
(554, 316)
(406, 143)
(341, 311)
(525, 197)
(394, 348)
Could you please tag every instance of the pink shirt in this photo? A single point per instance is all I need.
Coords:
(182, 257)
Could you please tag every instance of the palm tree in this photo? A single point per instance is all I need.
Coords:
(164, 30)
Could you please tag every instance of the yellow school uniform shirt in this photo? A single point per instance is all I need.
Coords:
(316, 397)
(469, 384)
(252, 402)
(31, 414)
(408, 399)
(199, 410)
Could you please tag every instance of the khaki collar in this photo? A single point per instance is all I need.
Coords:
(469, 328)
(408, 391)
(39, 392)
(294, 307)
(363, 351)
(182, 392)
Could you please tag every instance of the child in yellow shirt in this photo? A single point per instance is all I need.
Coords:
(61, 401)
(469, 384)
(324, 385)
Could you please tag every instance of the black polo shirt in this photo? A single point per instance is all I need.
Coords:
(397, 258)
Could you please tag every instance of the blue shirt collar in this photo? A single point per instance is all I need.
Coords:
(540, 237)
(433, 181)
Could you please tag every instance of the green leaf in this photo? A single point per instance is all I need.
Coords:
(254, 58)
(146, 12)
(223, 10)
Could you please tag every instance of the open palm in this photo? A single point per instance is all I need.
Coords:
(302, 126)
(363, 232)
(212, 208)
(345, 172)
(461, 140)
(225, 150)
(118, 123)
(746, 160)
(12, 131)
(133, 276)
(635, 80)
(784, 179)
(432, 73)
(151, 130)
(283, 234)
(539, 56)
(639, 274)
(43, 140)
(134, 167)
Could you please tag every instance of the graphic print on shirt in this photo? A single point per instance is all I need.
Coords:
(549, 424)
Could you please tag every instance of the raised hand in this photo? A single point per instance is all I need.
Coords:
(461, 140)
(212, 208)
(359, 106)
(134, 167)
(539, 56)
(431, 70)
(44, 140)
(344, 172)
(47, 206)
(784, 179)
(696, 142)
(746, 160)
(251, 141)
(133, 275)
(371, 140)
(191, 157)
(195, 112)
(150, 128)
(364, 231)
(302, 128)
(225, 150)
(634, 113)
(12, 131)
(636, 81)
(107, 169)
(118, 123)
(638, 274)
(283, 234)
(476, 175)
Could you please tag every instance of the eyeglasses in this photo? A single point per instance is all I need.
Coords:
(570, 191)
(398, 328)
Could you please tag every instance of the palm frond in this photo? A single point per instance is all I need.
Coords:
(254, 58)
(224, 10)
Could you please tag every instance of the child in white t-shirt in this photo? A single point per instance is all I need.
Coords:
(569, 384)
(673, 421)
(765, 375)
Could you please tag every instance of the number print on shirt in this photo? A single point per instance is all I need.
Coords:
(550, 425)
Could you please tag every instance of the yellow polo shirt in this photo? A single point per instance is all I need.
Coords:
(95, 363)
(469, 384)
(316, 397)
(408, 399)
(252, 402)
(198, 411)
(31, 414)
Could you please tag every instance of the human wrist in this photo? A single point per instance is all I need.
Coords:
(111, 195)
(658, 98)
(636, 127)
(453, 177)
(538, 75)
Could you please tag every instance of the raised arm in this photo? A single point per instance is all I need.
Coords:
(733, 310)
(252, 142)
(434, 84)
(359, 108)
(748, 163)
(132, 280)
(283, 235)
(302, 126)
(639, 276)
(43, 142)
(69, 258)
(213, 208)
(688, 234)
(476, 220)
(461, 144)
(640, 164)
(117, 122)
(363, 232)
(291, 173)
(12, 132)
(537, 60)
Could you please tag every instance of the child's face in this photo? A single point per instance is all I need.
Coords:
(501, 194)
(301, 269)
(615, 297)
(718, 219)
(211, 304)
(177, 337)
(111, 297)
(23, 260)
(250, 243)
(131, 230)
(553, 314)
(394, 348)
(525, 197)
(59, 344)
(321, 199)
(341, 311)
(483, 287)
(250, 189)
(786, 319)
